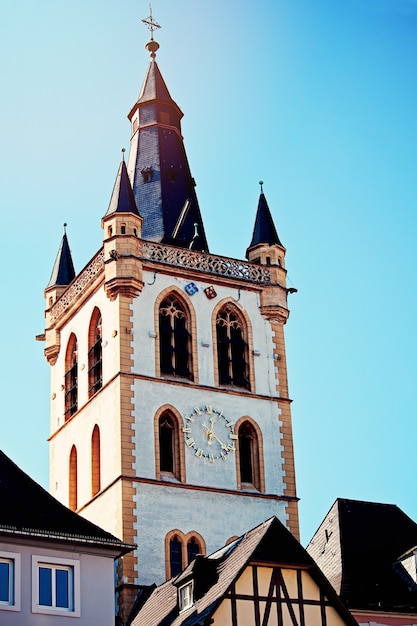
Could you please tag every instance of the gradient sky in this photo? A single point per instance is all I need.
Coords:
(318, 98)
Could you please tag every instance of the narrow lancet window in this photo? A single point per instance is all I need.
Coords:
(71, 378)
(95, 381)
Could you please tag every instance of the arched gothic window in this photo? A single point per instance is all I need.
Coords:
(95, 365)
(169, 452)
(174, 338)
(232, 348)
(249, 456)
(175, 556)
(95, 461)
(193, 549)
(71, 378)
(73, 479)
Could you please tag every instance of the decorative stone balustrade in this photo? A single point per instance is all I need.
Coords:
(169, 255)
(79, 284)
(206, 262)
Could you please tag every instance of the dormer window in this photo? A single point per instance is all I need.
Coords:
(147, 174)
(185, 596)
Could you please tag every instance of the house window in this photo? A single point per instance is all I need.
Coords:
(71, 378)
(95, 366)
(9, 581)
(232, 348)
(248, 456)
(174, 338)
(175, 556)
(55, 585)
(185, 596)
(73, 485)
(95, 461)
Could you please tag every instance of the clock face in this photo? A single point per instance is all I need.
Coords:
(209, 434)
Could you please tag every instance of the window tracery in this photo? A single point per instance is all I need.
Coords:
(232, 348)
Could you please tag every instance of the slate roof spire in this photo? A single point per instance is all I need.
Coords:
(264, 230)
(158, 166)
(63, 271)
(122, 199)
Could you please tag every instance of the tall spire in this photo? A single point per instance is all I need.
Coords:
(63, 271)
(158, 167)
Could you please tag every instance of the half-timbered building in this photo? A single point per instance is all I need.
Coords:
(263, 578)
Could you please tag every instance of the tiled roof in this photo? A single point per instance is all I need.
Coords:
(162, 184)
(63, 271)
(264, 230)
(373, 536)
(28, 510)
(122, 199)
(269, 542)
(154, 87)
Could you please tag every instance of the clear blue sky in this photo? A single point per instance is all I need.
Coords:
(318, 98)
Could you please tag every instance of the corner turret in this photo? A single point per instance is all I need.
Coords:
(62, 275)
(265, 247)
(122, 226)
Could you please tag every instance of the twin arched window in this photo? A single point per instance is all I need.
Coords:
(71, 377)
(181, 550)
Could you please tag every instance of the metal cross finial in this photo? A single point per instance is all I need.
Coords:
(150, 22)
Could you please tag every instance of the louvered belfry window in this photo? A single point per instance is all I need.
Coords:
(95, 381)
(174, 338)
(71, 378)
(232, 349)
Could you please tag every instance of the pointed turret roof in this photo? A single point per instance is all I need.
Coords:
(122, 199)
(264, 230)
(158, 167)
(63, 271)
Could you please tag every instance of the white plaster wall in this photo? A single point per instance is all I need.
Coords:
(97, 588)
(151, 395)
(104, 412)
(215, 516)
(144, 323)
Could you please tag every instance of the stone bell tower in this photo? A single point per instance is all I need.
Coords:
(170, 412)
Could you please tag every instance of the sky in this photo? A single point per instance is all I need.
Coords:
(317, 98)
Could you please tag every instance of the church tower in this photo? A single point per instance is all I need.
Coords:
(170, 416)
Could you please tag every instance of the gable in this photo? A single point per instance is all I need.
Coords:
(276, 596)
